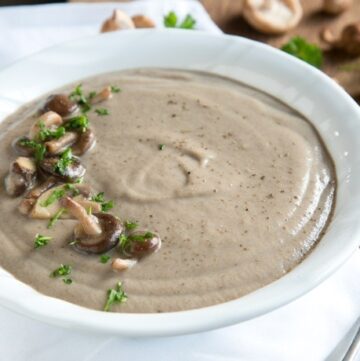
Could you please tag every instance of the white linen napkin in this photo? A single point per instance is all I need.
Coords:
(308, 329)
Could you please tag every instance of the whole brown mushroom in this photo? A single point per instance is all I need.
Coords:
(60, 104)
(96, 233)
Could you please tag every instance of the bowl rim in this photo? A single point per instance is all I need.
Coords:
(23, 299)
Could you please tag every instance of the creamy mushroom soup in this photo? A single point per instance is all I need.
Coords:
(158, 190)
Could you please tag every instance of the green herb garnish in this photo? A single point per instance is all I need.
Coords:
(115, 89)
(104, 258)
(123, 241)
(68, 281)
(64, 161)
(39, 149)
(161, 146)
(171, 21)
(300, 48)
(130, 225)
(63, 270)
(79, 123)
(78, 96)
(41, 241)
(115, 296)
(102, 111)
(46, 134)
(140, 237)
(105, 206)
(55, 218)
(54, 196)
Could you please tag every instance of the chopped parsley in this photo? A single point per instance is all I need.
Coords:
(102, 111)
(300, 48)
(140, 237)
(64, 161)
(115, 89)
(46, 134)
(171, 21)
(104, 258)
(78, 96)
(114, 296)
(39, 149)
(55, 218)
(130, 225)
(79, 123)
(105, 206)
(41, 241)
(62, 271)
(161, 146)
(67, 281)
(59, 193)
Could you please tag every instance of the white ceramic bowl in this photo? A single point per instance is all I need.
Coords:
(302, 87)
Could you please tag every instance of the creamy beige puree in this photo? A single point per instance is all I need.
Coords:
(240, 192)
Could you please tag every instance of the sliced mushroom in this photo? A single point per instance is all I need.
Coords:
(119, 264)
(84, 143)
(21, 177)
(21, 149)
(273, 16)
(29, 201)
(140, 244)
(96, 233)
(57, 146)
(49, 119)
(118, 21)
(60, 104)
(103, 95)
(78, 192)
(349, 39)
(142, 21)
(72, 172)
(335, 7)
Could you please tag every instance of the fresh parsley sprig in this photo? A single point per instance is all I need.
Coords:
(100, 198)
(41, 241)
(39, 149)
(114, 296)
(171, 21)
(300, 48)
(78, 123)
(63, 270)
(65, 160)
(55, 218)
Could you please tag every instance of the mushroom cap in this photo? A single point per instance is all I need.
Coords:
(60, 104)
(72, 173)
(84, 143)
(22, 149)
(109, 238)
(139, 246)
(273, 16)
(335, 7)
(119, 20)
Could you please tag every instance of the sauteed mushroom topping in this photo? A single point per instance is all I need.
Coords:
(61, 104)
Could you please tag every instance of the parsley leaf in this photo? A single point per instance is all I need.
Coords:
(41, 241)
(102, 111)
(300, 48)
(55, 218)
(161, 146)
(46, 134)
(105, 206)
(54, 196)
(63, 270)
(104, 258)
(171, 21)
(80, 123)
(68, 281)
(39, 149)
(130, 225)
(140, 237)
(78, 96)
(115, 89)
(64, 161)
(114, 296)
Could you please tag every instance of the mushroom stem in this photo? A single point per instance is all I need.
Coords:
(56, 146)
(49, 119)
(88, 222)
(103, 95)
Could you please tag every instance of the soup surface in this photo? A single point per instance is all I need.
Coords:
(239, 187)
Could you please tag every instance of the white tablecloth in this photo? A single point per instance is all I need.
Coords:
(308, 329)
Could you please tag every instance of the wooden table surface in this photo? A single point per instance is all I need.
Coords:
(227, 15)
